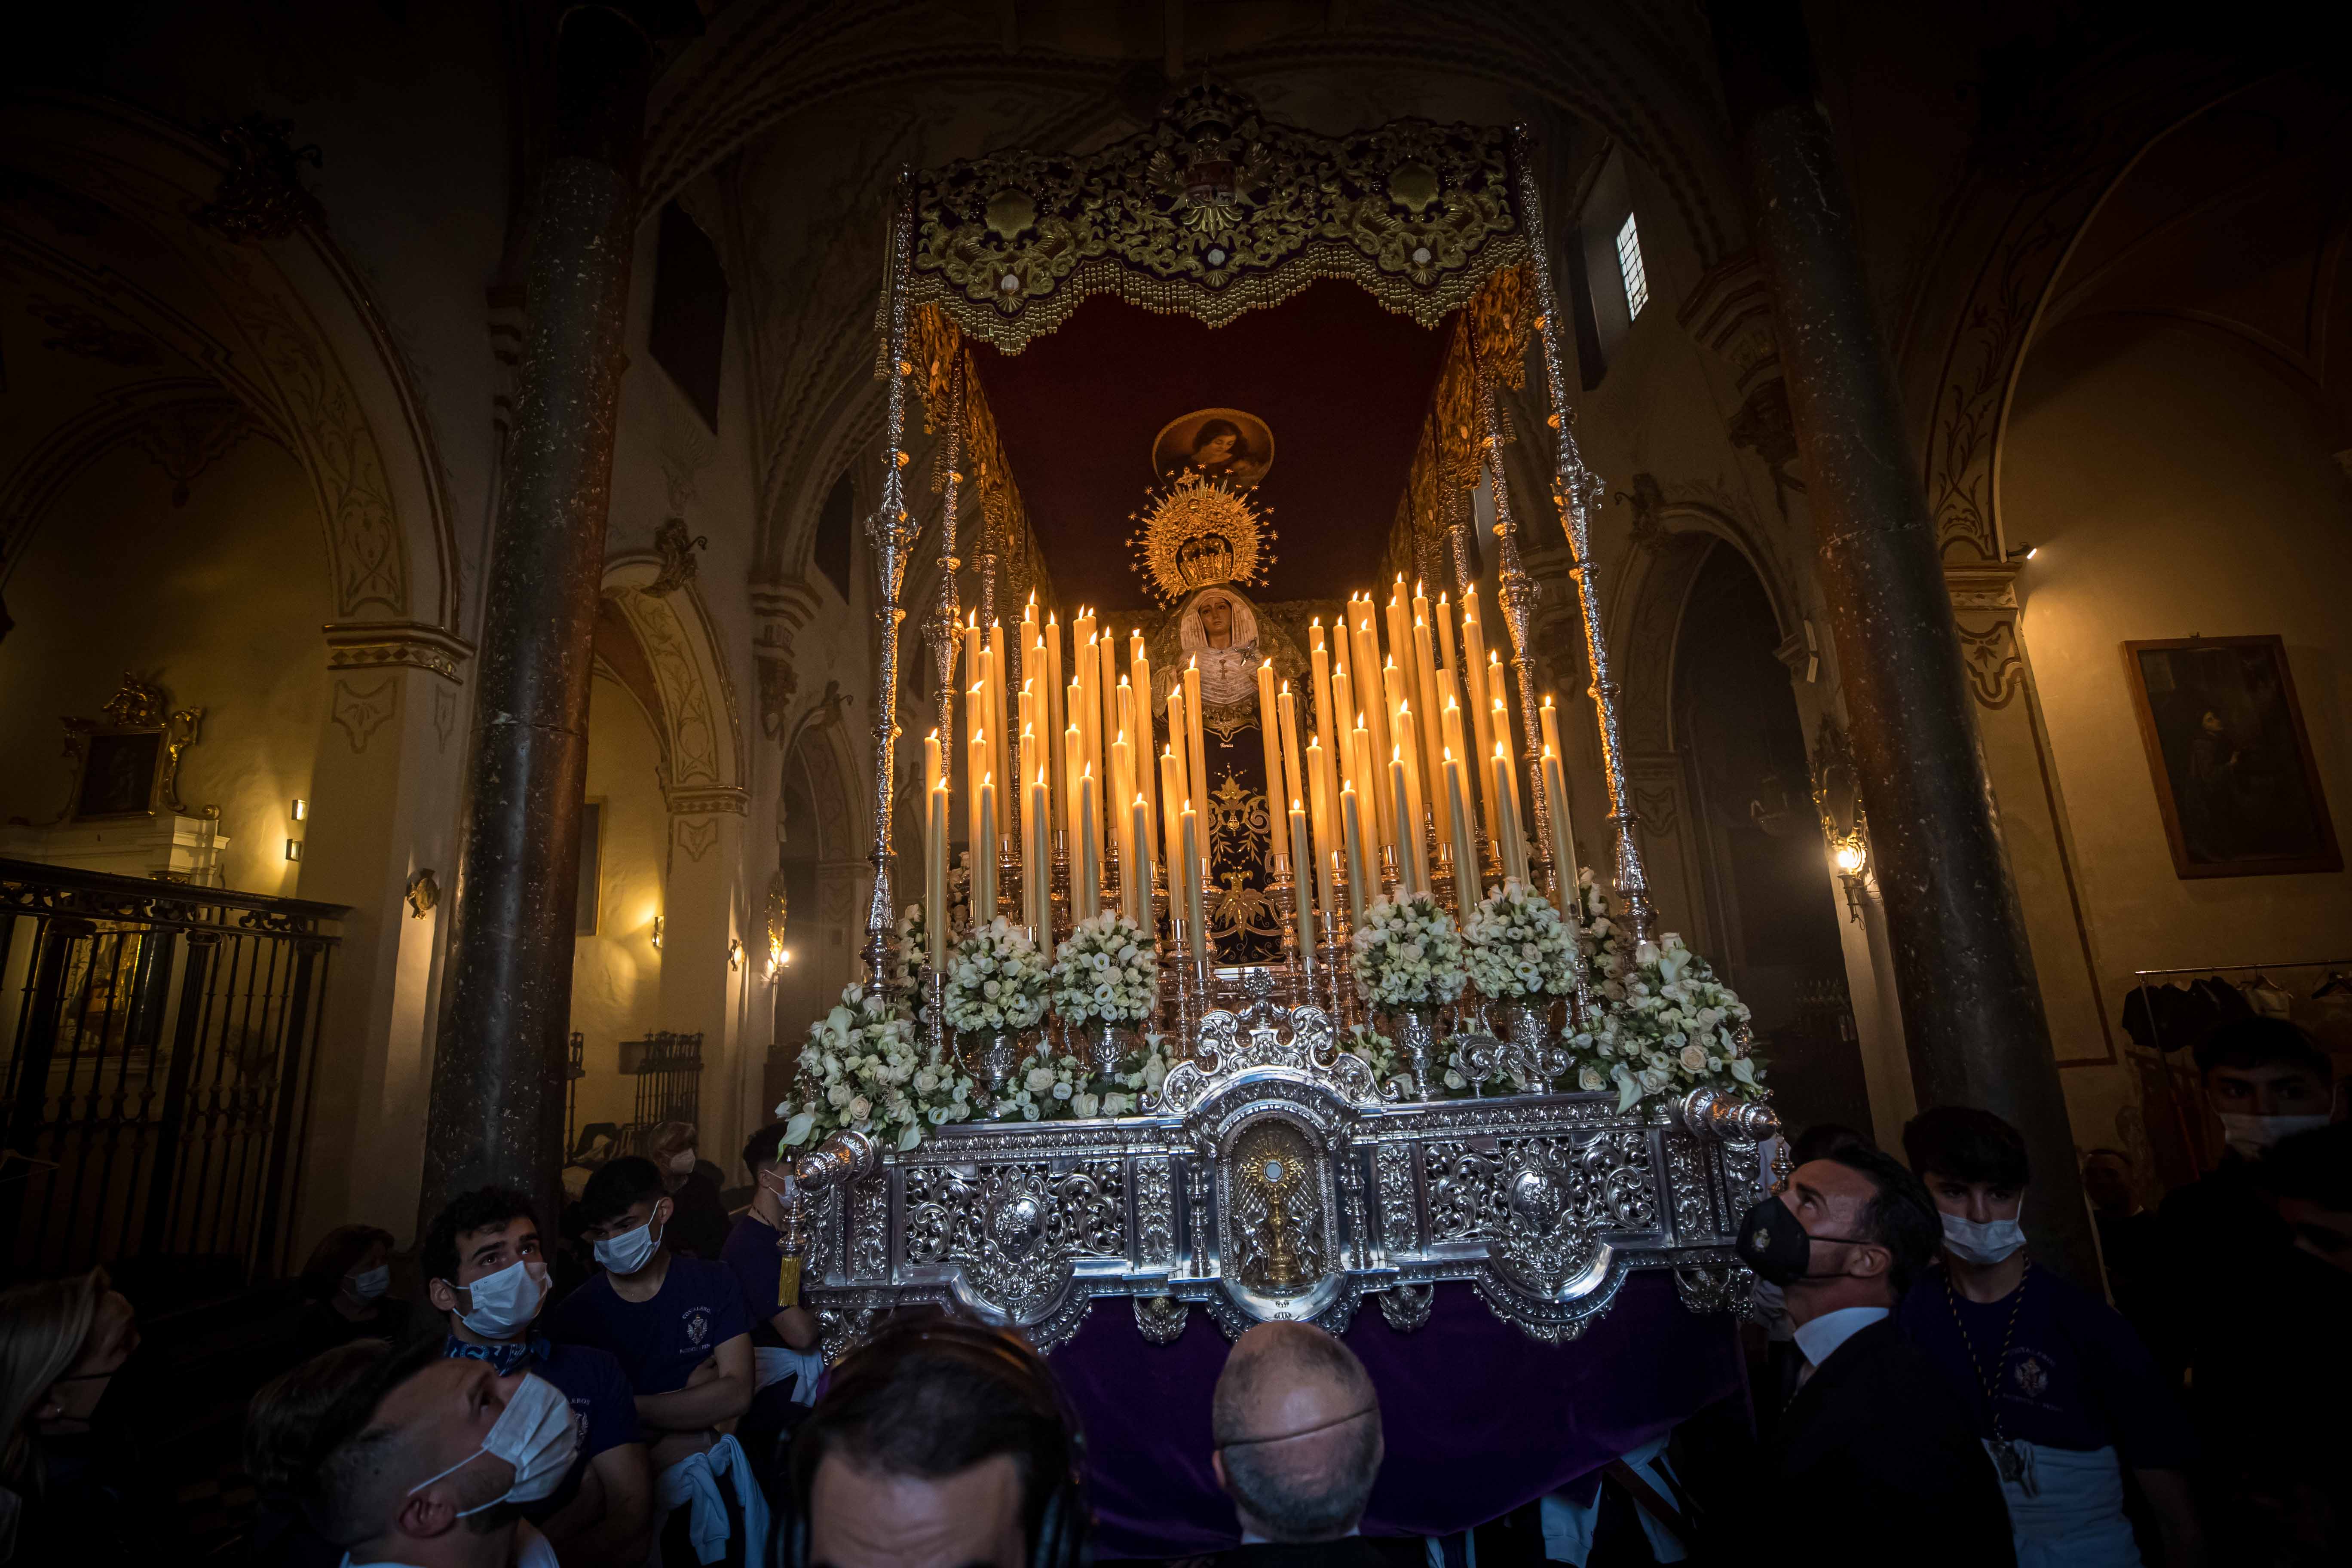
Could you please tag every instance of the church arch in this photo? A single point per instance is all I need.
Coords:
(698, 720)
(132, 219)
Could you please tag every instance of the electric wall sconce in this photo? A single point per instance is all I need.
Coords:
(301, 809)
(657, 933)
(734, 954)
(1837, 794)
(293, 849)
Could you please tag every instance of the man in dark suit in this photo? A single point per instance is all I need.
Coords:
(1297, 1423)
(1873, 1460)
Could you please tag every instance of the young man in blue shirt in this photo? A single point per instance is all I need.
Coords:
(678, 1327)
(2065, 1396)
(484, 1273)
(750, 1253)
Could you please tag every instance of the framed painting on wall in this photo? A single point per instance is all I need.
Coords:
(2235, 778)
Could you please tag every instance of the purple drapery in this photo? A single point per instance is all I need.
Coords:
(1479, 1419)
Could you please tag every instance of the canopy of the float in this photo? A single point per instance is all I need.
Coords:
(1212, 212)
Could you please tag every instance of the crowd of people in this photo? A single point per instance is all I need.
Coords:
(1924, 1389)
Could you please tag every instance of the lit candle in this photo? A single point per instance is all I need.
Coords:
(1506, 807)
(1268, 732)
(1286, 708)
(1351, 833)
(1408, 737)
(1136, 883)
(1075, 752)
(1087, 900)
(1392, 689)
(1408, 842)
(1302, 856)
(1088, 679)
(999, 739)
(1361, 742)
(1108, 684)
(1121, 785)
(1139, 676)
(1370, 705)
(1196, 765)
(1037, 879)
(1467, 889)
(1550, 717)
(1171, 801)
(975, 764)
(1343, 716)
(935, 880)
(984, 858)
(1057, 715)
(1500, 722)
(1318, 672)
(1177, 739)
(1189, 839)
(1423, 691)
(1563, 842)
(1444, 628)
(934, 763)
(1473, 706)
(1324, 812)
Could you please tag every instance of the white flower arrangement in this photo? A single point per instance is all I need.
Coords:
(1407, 953)
(996, 981)
(1377, 1054)
(1046, 1089)
(908, 958)
(865, 1069)
(1516, 947)
(1108, 970)
(1668, 1025)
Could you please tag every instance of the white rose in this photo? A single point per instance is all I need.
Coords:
(1039, 1079)
(1694, 1059)
(859, 1108)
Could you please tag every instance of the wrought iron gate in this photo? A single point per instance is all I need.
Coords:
(159, 1042)
(669, 1070)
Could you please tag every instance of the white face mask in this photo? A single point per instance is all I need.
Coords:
(369, 1283)
(682, 1162)
(505, 1303)
(1987, 1243)
(535, 1433)
(2252, 1136)
(629, 1251)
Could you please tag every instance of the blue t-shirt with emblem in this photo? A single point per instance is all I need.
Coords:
(2071, 1375)
(658, 1342)
(603, 1406)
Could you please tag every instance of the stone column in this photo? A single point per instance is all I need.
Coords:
(497, 1110)
(1973, 1010)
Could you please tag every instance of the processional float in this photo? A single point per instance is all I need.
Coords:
(1277, 1157)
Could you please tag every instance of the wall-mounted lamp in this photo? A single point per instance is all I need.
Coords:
(293, 849)
(734, 954)
(779, 955)
(657, 933)
(301, 809)
(2021, 550)
(1836, 785)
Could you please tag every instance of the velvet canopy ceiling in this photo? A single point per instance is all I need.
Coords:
(1343, 384)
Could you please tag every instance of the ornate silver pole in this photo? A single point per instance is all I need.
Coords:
(1517, 592)
(1580, 493)
(888, 532)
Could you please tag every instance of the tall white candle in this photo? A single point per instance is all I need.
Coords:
(1302, 856)
(1351, 832)
(1086, 899)
(1189, 841)
(1506, 807)
(984, 856)
(935, 880)
(1136, 877)
(1466, 882)
(1563, 841)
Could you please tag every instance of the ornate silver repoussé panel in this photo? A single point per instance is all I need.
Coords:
(1274, 1180)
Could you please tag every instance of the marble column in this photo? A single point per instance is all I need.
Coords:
(497, 1106)
(1972, 1012)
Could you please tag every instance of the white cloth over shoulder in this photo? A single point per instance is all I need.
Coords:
(531, 1551)
(2067, 1511)
(696, 1482)
(773, 1364)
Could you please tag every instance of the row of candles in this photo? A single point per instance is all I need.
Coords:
(1382, 797)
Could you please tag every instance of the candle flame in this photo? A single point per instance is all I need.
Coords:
(1547, 700)
(1295, 806)
(1502, 752)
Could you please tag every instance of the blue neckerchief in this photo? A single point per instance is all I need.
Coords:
(508, 1359)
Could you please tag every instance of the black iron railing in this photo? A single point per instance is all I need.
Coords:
(669, 1070)
(158, 1042)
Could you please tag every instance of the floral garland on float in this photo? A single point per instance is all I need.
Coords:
(1406, 956)
(864, 1069)
(996, 990)
(1667, 1026)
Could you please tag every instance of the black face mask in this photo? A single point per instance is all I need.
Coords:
(1774, 1242)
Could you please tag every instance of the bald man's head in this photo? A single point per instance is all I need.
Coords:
(1297, 1430)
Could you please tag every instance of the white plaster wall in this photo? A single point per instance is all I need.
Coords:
(219, 601)
(616, 973)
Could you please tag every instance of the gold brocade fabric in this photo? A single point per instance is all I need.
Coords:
(1211, 211)
(1490, 340)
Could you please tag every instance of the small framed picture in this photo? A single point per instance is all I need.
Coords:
(2235, 778)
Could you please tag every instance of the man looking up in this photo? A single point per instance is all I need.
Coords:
(1874, 1450)
(677, 1328)
(428, 1462)
(2064, 1394)
(940, 1444)
(485, 1273)
(1297, 1426)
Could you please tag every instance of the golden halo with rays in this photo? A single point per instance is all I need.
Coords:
(1198, 531)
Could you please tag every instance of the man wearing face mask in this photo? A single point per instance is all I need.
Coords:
(428, 1462)
(698, 1221)
(1874, 1449)
(2265, 1080)
(676, 1326)
(486, 1274)
(2065, 1396)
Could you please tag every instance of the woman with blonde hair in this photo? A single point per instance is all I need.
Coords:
(61, 1343)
